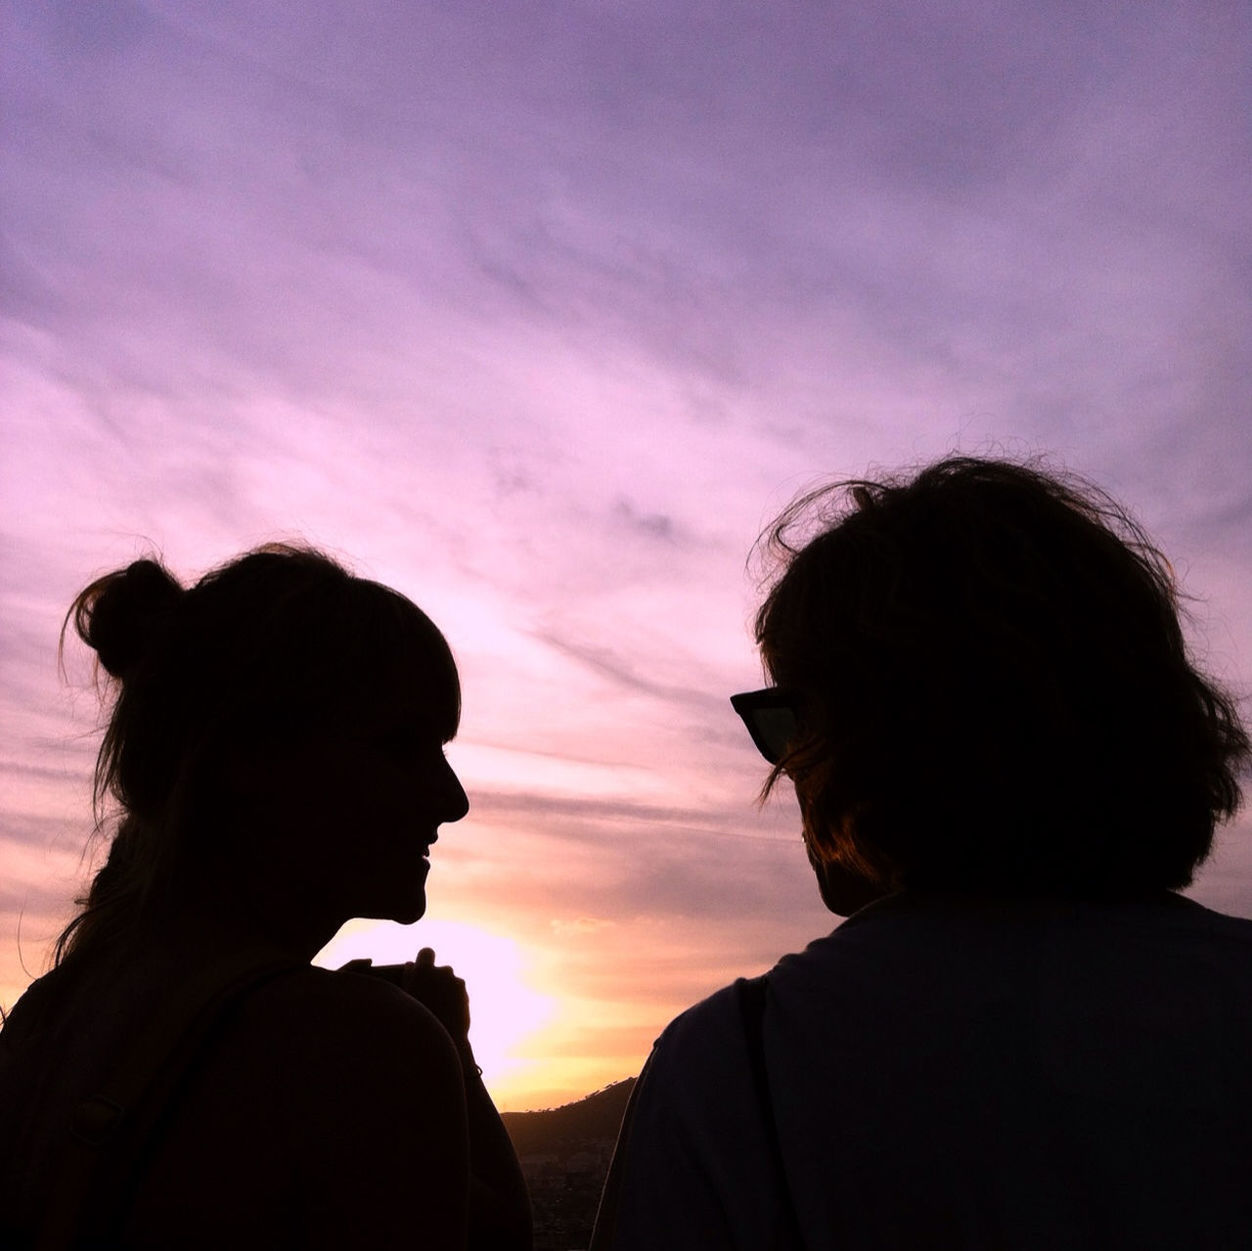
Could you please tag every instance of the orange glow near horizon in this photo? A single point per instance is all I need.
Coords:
(506, 1012)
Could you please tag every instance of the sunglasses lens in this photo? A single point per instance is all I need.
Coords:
(771, 720)
(774, 729)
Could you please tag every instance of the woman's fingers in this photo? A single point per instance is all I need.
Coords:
(435, 986)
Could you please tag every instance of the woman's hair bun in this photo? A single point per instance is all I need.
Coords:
(119, 615)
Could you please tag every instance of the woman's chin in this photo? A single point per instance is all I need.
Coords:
(413, 909)
(407, 913)
(402, 911)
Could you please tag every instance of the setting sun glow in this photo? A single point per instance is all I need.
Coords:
(504, 1011)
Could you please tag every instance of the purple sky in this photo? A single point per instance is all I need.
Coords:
(539, 312)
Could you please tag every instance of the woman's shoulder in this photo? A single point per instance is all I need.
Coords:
(714, 1020)
(702, 1057)
(316, 1014)
(311, 1078)
(676, 1184)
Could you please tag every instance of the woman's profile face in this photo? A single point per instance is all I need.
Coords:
(361, 802)
(397, 788)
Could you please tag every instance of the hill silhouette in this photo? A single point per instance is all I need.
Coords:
(572, 1126)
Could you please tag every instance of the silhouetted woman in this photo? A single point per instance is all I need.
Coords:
(183, 1077)
(1007, 766)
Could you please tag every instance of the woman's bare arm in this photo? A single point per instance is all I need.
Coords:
(377, 1120)
(500, 1216)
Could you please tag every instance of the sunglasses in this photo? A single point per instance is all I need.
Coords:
(770, 716)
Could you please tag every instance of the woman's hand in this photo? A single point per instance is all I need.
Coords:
(500, 1217)
(499, 1203)
(437, 988)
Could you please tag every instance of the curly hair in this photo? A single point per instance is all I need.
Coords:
(277, 644)
(993, 687)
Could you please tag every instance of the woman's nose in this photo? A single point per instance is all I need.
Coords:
(456, 801)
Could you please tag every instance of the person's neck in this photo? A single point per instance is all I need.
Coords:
(236, 926)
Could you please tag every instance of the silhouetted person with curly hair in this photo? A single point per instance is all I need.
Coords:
(183, 1077)
(1007, 767)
